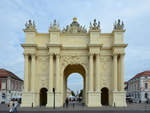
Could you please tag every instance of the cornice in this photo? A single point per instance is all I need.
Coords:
(29, 45)
(54, 45)
(120, 45)
(74, 34)
(106, 34)
(74, 48)
(118, 31)
(42, 48)
(95, 45)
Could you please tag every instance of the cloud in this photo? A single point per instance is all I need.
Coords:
(136, 15)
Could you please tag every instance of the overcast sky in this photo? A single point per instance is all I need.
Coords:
(134, 13)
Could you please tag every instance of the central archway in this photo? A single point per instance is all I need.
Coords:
(74, 68)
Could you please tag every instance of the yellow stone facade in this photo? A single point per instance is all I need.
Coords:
(51, 57)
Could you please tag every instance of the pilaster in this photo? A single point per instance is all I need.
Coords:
(51, 71)
(97, 73)
(91, 72)
(26, 75)
(115, 72)
(57, 72)
(33, 76)
(33, 72)
(122, 72)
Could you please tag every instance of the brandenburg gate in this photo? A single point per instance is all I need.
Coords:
(49, 58)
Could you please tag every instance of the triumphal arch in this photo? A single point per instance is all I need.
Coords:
(51, 57)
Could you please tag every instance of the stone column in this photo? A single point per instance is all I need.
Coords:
(50, 72)
(33, 72)
(122, 72)
(26, 72)
(115, 71)
(33, 79)
(91, 72)
(97, 72)
(57, 72)
(50, 98)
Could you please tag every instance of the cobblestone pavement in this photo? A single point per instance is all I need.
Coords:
(78, 111)
(131, 108)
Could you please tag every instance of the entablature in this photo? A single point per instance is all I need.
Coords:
(119, 48)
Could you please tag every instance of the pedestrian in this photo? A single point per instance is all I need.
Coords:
(11, 105)
(15, 105)
(67, 102)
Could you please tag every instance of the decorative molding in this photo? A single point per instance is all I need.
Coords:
(73, 59)
(74, 27)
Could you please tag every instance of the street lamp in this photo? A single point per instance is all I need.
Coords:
(54, 98)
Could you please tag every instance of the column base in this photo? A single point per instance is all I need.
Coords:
(58, 99)
(26, 99)
(94, 99)
(118, 99)
(30, 99)
(50, 99)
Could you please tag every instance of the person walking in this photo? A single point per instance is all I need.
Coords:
(11, 105)
(15, 105)
(67, 101)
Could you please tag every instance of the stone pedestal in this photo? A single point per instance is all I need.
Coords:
(94, 99)
(58, 99)
(118, 99)
(26, 99)
(30, 99)
(36, 99)
(50, 99)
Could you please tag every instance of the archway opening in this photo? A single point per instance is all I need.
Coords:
(105, 96)
(74, 83)
(43, 97)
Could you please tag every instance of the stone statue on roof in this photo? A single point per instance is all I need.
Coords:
(118, 25)
(95, 26)
(30, 26)
(74, 27)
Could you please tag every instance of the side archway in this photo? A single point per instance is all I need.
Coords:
(105, 96)
(43, 96)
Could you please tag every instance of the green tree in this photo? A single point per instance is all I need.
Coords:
(72, 93)
(81, 93)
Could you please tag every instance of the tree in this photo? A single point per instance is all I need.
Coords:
(72, 93)
(81, 93)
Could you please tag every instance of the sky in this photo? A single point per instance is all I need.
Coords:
(134, 13)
